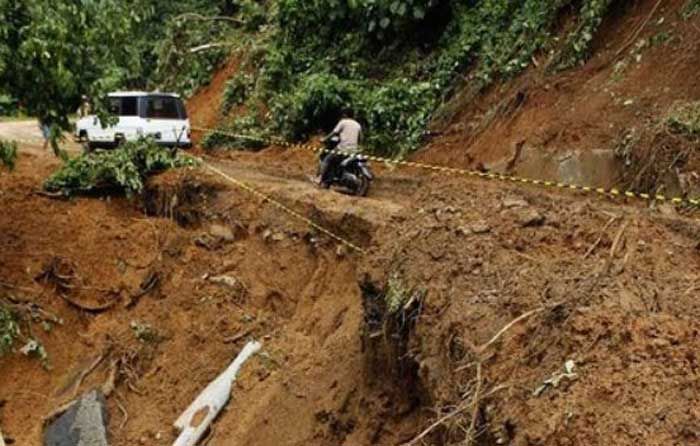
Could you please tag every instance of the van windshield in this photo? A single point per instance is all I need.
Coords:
(164, 107)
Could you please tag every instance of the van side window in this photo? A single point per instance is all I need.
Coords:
(113, 106)
(162, 108)
(130, 106)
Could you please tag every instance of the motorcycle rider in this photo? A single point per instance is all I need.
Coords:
(349, 132)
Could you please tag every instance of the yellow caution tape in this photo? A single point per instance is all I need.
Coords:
(613, 192)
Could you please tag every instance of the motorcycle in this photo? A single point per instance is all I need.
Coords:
(350, 172)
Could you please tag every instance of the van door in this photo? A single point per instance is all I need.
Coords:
(126, 110)
(165, 119)
(129, 125)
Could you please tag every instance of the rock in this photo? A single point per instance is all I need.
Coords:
(514, 202)
(227, 281)
(668, 209)
(84, 424)
(267, 234)
(480, 227)
(341, 251)
(529, 217)
(222, 232)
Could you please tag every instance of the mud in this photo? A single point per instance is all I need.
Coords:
(513, 314)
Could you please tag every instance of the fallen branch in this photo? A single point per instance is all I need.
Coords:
(437, 423)
(89, 308)
(60, 410)
(85, 373)
(475, 406)
(208, 46)
(110, 384)
(2, 439)
(237, 337)
(597, 242)
(639, 30)
(510, 325)
(125, 414)
(195, 421)
(203, 18)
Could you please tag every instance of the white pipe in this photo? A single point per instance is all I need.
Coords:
(194, 421)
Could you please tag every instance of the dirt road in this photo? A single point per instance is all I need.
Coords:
(28, 135)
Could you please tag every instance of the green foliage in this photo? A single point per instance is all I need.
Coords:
(53, 52)
(8, 154)
(124, 168)
(181, 63)
(323, 56)
(684, 118)
(578, 44)
(691, 8)
(379, 19)
(396, 294)
(8, 106)
(9, 329)
(253, 14)
(237, 90)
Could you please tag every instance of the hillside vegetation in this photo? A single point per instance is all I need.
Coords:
(394, 62)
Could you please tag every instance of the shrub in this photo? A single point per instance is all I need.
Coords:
(684, 118)
(8, 154)
(372, 55)
(578, 44)
(124, 168)
(236, 91)
(9, 329)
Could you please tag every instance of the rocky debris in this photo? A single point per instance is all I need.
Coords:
(668, 209)
(84, 424)
(341, 251)
(216, 236)
(478, 227)
(227, 281)
(268, 235)
(514, 202)
(221, 232)
(529, 217)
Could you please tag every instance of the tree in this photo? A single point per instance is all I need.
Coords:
(53, 52)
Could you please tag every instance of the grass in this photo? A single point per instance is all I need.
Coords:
(691, 8)
(684, 118)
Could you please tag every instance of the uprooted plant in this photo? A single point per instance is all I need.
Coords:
(123, 169)
(664, 155)
(9, 328)
(18, 318)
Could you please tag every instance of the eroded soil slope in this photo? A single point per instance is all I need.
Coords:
(601, 124)
(166, 300)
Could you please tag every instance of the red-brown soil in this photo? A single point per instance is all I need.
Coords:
(607, 287)
(567, 126)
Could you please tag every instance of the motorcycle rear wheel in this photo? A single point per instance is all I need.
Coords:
(363, 186)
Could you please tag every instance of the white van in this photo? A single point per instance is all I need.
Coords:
(158, 115)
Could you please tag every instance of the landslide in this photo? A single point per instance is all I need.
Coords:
(606, 349)
(604, 124)
(162, 292)
(357, 350)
